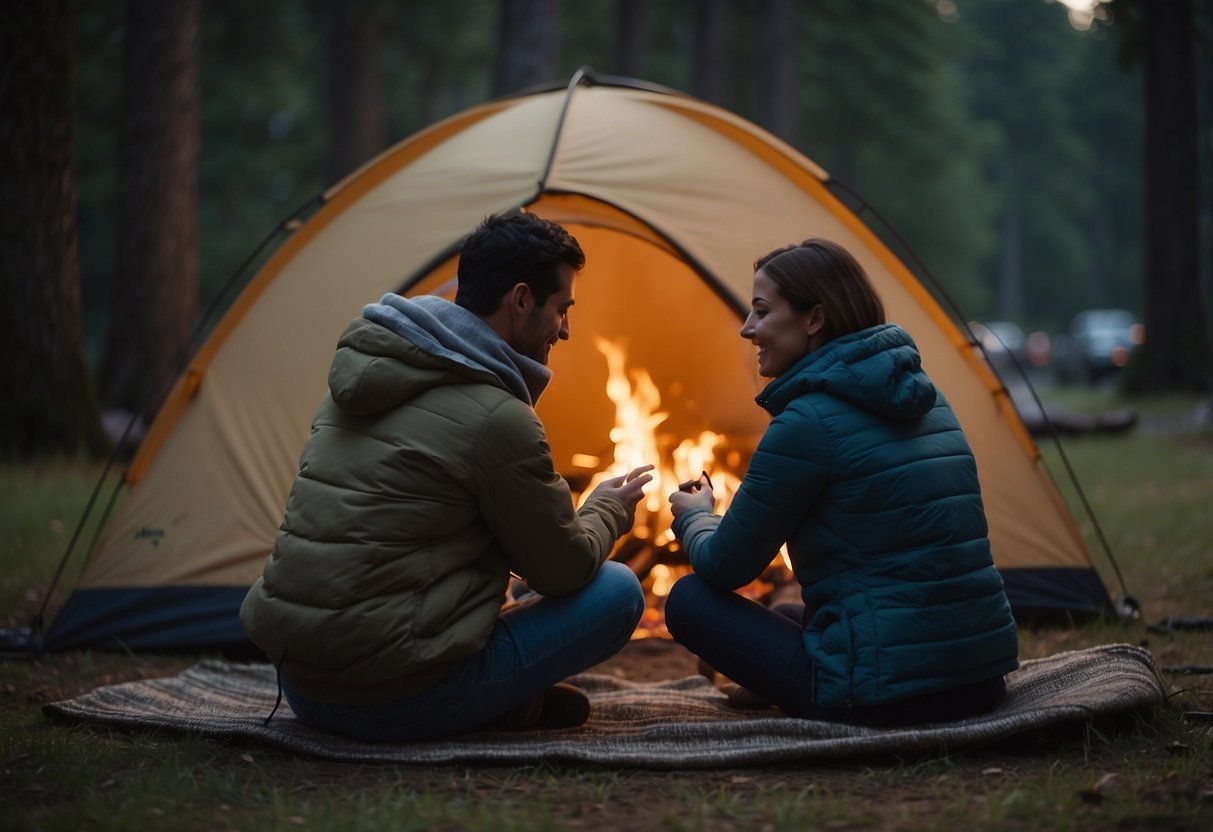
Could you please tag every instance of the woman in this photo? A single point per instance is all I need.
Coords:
(866, 475)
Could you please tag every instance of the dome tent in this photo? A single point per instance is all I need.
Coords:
(671, 198)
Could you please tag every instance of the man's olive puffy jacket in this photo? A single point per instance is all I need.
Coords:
(424, 484)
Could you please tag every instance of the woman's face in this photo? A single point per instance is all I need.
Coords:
(783, 335)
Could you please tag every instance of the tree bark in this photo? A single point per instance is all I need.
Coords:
(778, 68)
(356, 122)
(528, 44)
(154, 302)
(1204, 85)
(50, 404)
(1103, 234)
(631, 37)
(1010, 258)
(711, 50)
(1176, 351)
(431, 87)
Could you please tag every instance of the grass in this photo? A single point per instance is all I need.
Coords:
(39, 515)
(1152, 492)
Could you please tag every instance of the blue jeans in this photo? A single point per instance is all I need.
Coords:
(532, 647)
(763, 650)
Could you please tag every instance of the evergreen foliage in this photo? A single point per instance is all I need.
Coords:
(949, 118)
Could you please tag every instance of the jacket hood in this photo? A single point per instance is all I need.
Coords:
(878, 369)
(401, 347)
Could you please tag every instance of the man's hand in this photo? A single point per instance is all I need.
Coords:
(628, 488)
(693, 494)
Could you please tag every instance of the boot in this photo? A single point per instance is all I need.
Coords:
(560, 706)
(743, 699)
(520, 717)
(564, 706)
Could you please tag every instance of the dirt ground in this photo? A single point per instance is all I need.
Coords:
(650, 660)
(882, 794)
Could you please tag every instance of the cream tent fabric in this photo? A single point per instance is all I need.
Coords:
(672, 200)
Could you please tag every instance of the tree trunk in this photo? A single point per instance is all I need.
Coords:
(1204, 84)
(1103, 232)
(1010, 258)
(50, 404)
(631, 37)
(1176, 351)
(356, 123)
(778, 68)
(431, 87)
(528, 44)
(711, 50)
(155, 293)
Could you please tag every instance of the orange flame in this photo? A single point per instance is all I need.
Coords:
(637, 442)
(637, 417)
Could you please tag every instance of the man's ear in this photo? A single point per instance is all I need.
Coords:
(520, 297)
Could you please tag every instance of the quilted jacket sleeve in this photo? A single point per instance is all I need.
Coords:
(529, 509)
(787, 474)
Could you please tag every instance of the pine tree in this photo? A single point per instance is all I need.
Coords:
(50, 404)
(154, 302)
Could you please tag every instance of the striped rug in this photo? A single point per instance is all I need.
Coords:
(680, 724)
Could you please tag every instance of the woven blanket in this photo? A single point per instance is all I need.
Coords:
(679, 724)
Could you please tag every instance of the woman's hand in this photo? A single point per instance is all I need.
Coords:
(693, 494)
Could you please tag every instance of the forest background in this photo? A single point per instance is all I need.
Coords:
(1008, 142)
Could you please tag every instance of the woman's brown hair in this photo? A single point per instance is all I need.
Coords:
(820, 271)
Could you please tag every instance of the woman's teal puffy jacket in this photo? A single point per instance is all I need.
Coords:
(865, 473)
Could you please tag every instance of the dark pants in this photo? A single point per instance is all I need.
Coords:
(533, 646)
(763, 651)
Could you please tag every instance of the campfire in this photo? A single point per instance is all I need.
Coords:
(650, 549)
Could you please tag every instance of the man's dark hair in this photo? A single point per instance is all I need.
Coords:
(507, 250)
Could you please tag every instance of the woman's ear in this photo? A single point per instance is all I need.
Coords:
(817, 320)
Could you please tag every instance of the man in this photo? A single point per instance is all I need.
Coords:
(427, 480)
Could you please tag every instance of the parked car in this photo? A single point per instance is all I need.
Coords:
(1003, 342)
(1098, 343)
(1039, 348)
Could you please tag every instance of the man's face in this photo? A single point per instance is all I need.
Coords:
(542, 326)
